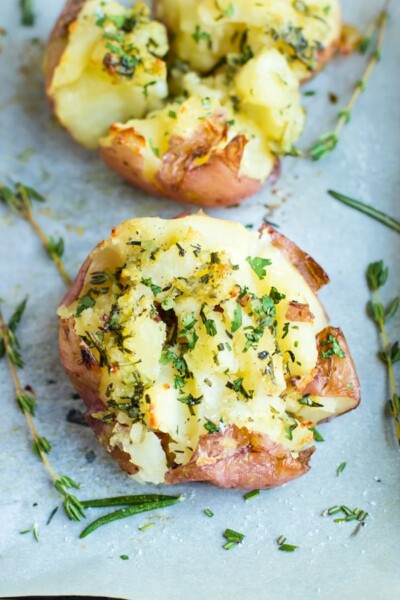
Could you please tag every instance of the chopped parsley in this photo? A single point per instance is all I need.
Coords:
(84, 303)
(306, 401)
(237, 318)
(276, 295)
(237, 386)
(334, 350)
(191, 401)
(199, 35)
(209, 324)
(211, 427)
(258, 265)
(154, 288)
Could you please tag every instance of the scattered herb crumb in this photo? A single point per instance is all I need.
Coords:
(340, 468)
(252, 494)
(233, 538)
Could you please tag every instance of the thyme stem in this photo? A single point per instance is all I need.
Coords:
(328, 141)
(20, 204)
(377, 275)
(27, 214)
(19, 390)
(41, 446)
(392, 383)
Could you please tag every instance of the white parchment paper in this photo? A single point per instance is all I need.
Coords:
(181, 556)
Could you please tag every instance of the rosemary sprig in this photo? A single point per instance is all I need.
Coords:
(328, 141)
(20, 201)
(377, 275)
(129, 511)
(367, 210)
(26, 400)
(27, 13)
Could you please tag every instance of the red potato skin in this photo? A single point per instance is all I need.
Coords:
(312, 272)
(332, 376)
(179, 177)
(240, 459)
(297, 312)
(235, 458)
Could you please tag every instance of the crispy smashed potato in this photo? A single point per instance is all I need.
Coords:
(204, 116)
(202, 352)
(109, 68)
(208, 33)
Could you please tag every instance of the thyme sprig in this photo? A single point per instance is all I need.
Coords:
(20, 200)
(377, 275)
(367, 210)
(328, 141)
(26, 400)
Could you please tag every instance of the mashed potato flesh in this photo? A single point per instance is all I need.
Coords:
(111, 69)
(207, 32)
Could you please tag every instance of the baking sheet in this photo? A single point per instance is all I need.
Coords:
(182, 555)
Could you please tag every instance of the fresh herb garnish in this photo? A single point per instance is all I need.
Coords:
(251, 495)
(237, 386)
(191, 401)
(233, 538)
(34, 529)
(237, 318)
(283, 547)
(341, 468)
(20, 200)
(258, 265)
(306, 401)
(84, 303)
(327, 142)
(377, 275)
(208, 512)
(276, 296)
(317, 436)
(356, 514)
(154, 288)
(199, 35)
(211, 427)
(129, 511)
(209, 324)
(28, 16)
(26, 400)
(188, 332)
(371, 211)
(333, 350)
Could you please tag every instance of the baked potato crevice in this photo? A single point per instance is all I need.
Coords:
(203, 353)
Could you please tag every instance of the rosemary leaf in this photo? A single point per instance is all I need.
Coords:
(367, 210)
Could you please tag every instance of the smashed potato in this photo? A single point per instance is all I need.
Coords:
(202, 117)
(108, 69)
(208, 33)
(202, 352)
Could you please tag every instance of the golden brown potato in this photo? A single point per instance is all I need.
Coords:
(218, 141)
(202, 352)
(206, 33)
(104, 63)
